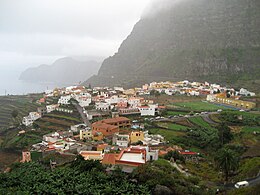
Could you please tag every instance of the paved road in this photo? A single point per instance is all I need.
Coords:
(82, 114)
(251, 181)
(208, 119)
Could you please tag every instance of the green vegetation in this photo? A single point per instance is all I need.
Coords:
(13, 108)
(252, 190)
(162, 178)
(71, 118)
(248, 129)
(199, 106)
(200, 122)
(227, 161)
(174, 113)
(82, 177)
(59, 120)
(240, 118)
(30, 137)
(249, 168)
(177, 127)
(172, 126)
(203, 170)
(168, 134)
(89, 177)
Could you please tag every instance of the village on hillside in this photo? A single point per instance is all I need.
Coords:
(113, 127)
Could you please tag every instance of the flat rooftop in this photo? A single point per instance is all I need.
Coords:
(132, 157)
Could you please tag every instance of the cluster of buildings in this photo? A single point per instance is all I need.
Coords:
(112, 141)
(118, 140)
(214, 93)
(124, 147)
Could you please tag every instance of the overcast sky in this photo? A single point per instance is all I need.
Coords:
(34, 32)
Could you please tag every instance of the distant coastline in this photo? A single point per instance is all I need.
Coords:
(11, 85)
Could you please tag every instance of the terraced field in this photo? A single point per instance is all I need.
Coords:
(23, 104)
(199, 106)
(173, 126)
(57, 121)
(168, 134)
(200, 122)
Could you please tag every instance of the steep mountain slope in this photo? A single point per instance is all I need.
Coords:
(64, 70)
(214, 40)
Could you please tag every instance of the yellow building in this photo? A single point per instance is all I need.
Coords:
(129, 92)
(136, 136)
(97, 136)
(236, 103)
(85, 134)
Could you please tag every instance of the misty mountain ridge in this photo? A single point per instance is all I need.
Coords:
(65, 70)
(217, 41)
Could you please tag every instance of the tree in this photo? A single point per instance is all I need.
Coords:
(175, 155)
(227, 161)
(224, 133)
(14, 113)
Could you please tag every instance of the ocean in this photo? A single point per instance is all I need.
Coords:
(10, 84)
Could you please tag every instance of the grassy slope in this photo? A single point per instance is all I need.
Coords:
(200, 122)
(23, 104)
(199, 106)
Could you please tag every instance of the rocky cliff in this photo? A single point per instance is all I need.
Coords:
(213, 40)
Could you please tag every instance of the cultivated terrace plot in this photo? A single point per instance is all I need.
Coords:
(20, 104)
(199, 106)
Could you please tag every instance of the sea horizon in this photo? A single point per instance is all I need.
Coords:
(11, 85)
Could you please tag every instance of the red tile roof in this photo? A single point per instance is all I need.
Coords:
(103, 126)
(188, 153)
(115, 120)
(102, 146)
(109, 159)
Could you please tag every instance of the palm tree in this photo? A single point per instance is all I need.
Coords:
(227, 161)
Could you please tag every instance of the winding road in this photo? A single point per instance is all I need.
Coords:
(82, 114)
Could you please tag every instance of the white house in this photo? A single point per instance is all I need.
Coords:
(169, 91)
(148, 110)
(34, 115)
(119, 89)
(84, 98)
(112, 100)
(134, 102)
(121, 140)
(64, 100)
(211, 98)
(153, 140)
(194, 93)
(77, 128)
(245, 92)
(84, 101)
(50, 108)
(102, 106)
(28, 120)
(49, 93)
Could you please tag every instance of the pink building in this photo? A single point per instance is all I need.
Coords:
(26, 156)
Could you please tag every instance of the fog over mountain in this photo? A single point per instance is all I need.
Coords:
(218, 41)
(64, 70)
(39, 32)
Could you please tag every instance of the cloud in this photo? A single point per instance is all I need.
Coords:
(43, 44)
(44, 29)
(156, 6)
